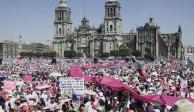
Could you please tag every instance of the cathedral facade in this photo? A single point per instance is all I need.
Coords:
(108, 36)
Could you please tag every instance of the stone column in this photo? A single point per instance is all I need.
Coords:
(157, 45)
(136, 40)
(179, 52)
(168, 51)
(92, 47)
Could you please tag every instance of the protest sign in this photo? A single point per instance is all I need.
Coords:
(9, 85)
(74, 84)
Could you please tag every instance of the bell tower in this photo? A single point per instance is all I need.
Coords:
(62, 19)
(62, 27)
(112, 20)
(113, 26)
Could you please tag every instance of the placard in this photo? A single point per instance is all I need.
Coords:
(9, 85)
(74, 84)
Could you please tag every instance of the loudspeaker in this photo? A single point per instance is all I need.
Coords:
(54, 61)
(1, 61)
(95, 60)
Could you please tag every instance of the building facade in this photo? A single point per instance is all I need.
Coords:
(163, 45)
(1, 50)
(63, 27)
(188, 49)
(10, 49)
(109, 36)
(36, 48)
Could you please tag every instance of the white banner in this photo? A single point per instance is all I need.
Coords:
(73, 84)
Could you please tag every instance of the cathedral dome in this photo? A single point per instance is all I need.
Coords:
(84, 19)
(151, 23)
(62, 3)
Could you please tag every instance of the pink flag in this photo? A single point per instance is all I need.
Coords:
(27, 78)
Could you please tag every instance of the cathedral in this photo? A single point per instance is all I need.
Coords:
(108, 36)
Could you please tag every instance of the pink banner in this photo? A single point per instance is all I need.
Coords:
(42, 86)
(76, 71)
(9, 85)
(163, 99)
(27, 78)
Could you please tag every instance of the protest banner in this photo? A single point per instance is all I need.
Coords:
(9, 85)
(73, 84)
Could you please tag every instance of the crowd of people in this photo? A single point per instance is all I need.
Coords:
(43, 93)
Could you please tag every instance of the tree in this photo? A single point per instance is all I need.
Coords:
(114, 53)
(38, 54)
(124, 52)
(49, 54)
(136, 53)
(104, 55)
(88, 55)
(27, 54)
(70, 54)
(149, 57)
(79, 54)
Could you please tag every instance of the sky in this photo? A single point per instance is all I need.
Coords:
(34, 19)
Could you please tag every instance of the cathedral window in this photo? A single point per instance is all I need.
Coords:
(111, 12)
(107, 26)
(62, 16)
(68, 30)
(114, 11)
(114, 26)
(60, 31)
(110, 27)
(108, 12)
(59, 16)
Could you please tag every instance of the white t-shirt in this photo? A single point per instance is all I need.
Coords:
(52, 106)
(88, 107)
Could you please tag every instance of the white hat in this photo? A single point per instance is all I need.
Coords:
(115, 98)
(156, 110)
(100, 94)
(10, 94)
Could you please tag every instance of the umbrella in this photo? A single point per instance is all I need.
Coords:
(55, 74)
(42, 86)
(185, 105)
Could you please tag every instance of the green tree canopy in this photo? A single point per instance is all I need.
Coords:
(114, 53)
(70, 54)
(125, 52)
(104, 55)
(136, 53)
